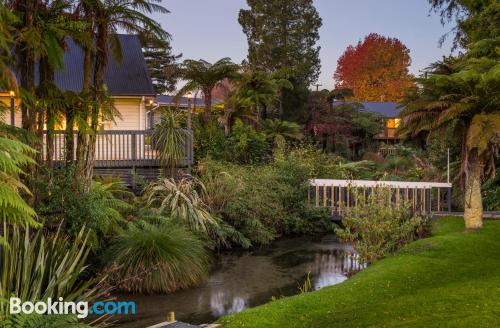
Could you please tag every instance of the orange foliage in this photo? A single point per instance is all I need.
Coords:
(376, 69)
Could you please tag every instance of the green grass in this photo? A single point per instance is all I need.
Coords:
(451, 279)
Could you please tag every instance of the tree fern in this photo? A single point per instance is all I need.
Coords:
(14, 155)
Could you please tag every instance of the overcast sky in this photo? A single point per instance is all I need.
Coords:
(210, 30)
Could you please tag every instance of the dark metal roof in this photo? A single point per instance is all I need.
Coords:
(130, 77)
(386, 109)
(180, 101)
(164, 100)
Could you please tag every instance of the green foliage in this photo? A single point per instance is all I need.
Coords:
(15, 156)
(181, 200)
(379, 227)
(288, 130)
(169, 139)
(491, 194)
(35, 267)
(204, 76)
(264, 201)
(246, 145)
(162, 65)
(259, 91)
(156, 257)
(43, 321)
(283, 34)
(210, 141)
(100, 209)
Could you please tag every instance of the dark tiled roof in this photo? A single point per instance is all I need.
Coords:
(128, 78)
(182, 101)
(387, 109)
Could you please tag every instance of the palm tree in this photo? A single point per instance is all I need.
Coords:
(204, 76)
(285, 129)
(463, 90)
(257, 90)
(104, 18)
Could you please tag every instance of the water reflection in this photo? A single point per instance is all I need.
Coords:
(249, 279)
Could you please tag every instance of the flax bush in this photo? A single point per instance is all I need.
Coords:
(156, 255)
(379, 226)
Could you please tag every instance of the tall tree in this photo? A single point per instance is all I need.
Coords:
(376, 69)
(475, 19)
(104, 19)
(282, 36)
(204, 76)
(464, 92)
(162, 65)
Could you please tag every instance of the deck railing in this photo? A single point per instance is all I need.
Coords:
(118, 148)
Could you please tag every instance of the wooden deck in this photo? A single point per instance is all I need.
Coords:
(120, 153)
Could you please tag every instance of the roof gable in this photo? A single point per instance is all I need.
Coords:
(130, 77)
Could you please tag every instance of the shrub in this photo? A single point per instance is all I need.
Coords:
(265, 201)
(100, 209)
(181, 200)
(248, 146)
(156, 256)
(491, 194)
(378, 226)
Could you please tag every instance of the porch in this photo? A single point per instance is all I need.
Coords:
(120, 153)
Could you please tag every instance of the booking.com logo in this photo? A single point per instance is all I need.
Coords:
(81, 309)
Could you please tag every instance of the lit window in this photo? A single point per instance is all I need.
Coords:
(393, 123)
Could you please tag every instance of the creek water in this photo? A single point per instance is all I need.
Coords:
(245, 279)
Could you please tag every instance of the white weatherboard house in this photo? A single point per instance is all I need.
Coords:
(124, 145)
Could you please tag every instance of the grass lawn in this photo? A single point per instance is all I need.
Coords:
(451, 279)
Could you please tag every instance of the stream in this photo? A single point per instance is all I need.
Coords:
(245, 279)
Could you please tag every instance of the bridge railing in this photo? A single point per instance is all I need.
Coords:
(339, 195)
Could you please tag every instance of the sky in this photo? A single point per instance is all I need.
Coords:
(209, 30)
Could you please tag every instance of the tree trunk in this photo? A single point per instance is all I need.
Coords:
(100, 63)
(69, 141)
(207, 115)
(26, 65)
(473, 205)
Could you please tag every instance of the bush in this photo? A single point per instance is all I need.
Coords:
(244, 145)
(378, 226)
(35, 267)
(182, 201)
(156, 256)
(491, 194)
(265, 201)
(100, 209)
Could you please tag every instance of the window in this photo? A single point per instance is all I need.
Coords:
(393, 123)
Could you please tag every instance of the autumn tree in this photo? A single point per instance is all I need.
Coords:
(376, 69)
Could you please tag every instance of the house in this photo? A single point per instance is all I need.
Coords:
(167, 101)
(388, 110)
(122, 145)
(128, 83)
